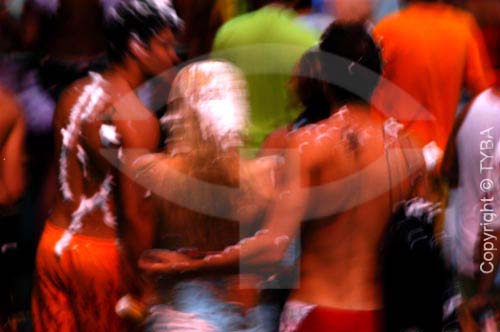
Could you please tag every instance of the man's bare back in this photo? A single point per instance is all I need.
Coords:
(120, 108)
(346, 156)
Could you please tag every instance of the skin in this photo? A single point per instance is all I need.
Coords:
(12, 153)
(339, 258)
(140, 133)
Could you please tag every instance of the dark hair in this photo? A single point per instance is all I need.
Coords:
(141, 19)
(353, 72)
(309, 88)
(202, 19)
(302, 4)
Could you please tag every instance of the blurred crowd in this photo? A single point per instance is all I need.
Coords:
(249, 165)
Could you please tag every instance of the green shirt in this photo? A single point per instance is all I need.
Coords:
(266, 44)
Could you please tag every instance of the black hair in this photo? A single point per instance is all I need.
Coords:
(302, 4)
(308, 86)
(354, 71)
(141, 19)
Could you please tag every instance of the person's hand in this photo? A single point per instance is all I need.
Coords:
(165, 262)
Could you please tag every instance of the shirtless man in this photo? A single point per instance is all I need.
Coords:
(99, 122)
(342, 175)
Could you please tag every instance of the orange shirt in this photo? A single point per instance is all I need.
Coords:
(430, 52)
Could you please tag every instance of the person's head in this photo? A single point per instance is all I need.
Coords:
(208, 107)
(143, 30)
(351, 63)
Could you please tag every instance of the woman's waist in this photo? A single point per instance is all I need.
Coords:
(93, 224)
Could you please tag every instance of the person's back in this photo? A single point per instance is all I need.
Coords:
(87, 161)
(340, 257)
(71, 170)
(355, 167)
(431, 52)
(265, 44)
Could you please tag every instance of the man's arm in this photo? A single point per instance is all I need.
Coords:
(140, 133)
(12, 134)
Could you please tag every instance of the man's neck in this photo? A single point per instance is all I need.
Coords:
(128, 72)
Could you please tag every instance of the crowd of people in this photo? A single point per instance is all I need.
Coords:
(252, 165)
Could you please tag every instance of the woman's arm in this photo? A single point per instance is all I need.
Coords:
(263, 250)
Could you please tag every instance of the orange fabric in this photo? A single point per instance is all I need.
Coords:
(79, 290)
(430, 51)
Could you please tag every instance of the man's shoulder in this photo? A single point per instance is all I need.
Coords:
(315, 139)
(81, 95)
(75, 89)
